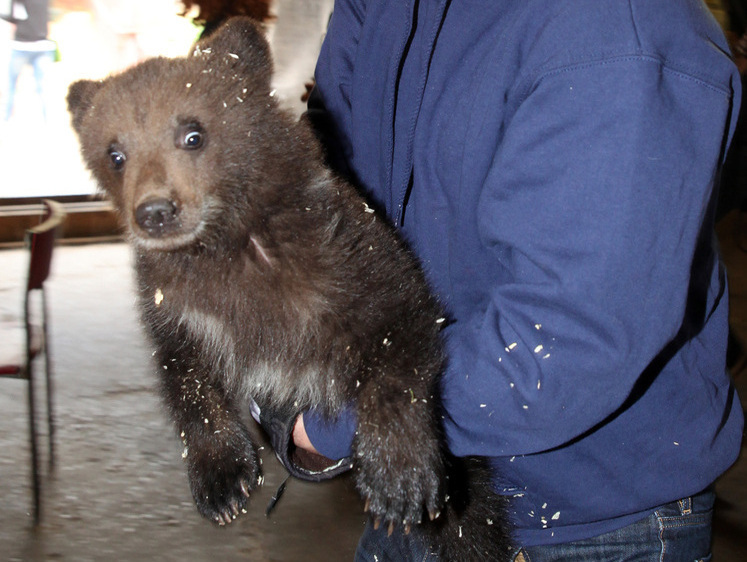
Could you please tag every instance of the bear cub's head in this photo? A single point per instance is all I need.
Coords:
(193, 150)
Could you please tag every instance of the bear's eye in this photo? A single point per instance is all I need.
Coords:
(117, 158)
(193, 139)
(190, 135)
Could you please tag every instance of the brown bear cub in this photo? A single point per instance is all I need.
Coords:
(262, 276)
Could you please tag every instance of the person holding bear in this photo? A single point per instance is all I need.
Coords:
(553, 164)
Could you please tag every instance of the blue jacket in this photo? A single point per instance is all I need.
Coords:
(553, 166)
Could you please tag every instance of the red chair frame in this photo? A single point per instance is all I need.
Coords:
(40, 241)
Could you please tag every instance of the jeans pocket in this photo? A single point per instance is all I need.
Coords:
(685, 528)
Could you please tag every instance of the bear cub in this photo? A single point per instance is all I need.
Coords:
(262, 276)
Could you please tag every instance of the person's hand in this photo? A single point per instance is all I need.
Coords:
(284, 426)
(300, 438)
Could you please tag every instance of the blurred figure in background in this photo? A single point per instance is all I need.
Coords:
(30, 46)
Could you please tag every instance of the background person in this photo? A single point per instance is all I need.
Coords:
(29, 47)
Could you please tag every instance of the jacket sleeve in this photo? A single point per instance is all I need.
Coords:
(595, 214)
(329, 102)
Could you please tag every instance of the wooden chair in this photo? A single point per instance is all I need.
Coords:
(34, 341)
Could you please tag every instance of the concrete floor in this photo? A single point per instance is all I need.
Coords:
(119, 491)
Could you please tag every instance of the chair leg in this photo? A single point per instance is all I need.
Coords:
(50, 386)
(35, 477)
(50, 415)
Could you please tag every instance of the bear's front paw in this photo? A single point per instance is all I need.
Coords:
(221, 479)
(400, 482)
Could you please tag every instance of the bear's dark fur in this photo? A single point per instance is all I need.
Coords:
(263, 276)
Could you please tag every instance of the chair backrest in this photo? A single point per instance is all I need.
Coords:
(41, 239)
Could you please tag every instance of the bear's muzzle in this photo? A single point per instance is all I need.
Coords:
(158, 217)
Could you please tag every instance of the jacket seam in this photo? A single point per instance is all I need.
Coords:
(640, 57)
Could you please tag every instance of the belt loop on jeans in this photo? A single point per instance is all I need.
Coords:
(686, 506)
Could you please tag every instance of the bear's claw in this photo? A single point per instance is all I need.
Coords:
(221, 481)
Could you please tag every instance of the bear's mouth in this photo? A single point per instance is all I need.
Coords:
(172, 242)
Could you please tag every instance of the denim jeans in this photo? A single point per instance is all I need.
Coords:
(376, 546)
(39, 61)
(677, 532)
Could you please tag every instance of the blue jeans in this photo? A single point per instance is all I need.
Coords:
(376, 546)
(677, 532)
(39, 61)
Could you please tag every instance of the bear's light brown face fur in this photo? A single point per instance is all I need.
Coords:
(167, 140)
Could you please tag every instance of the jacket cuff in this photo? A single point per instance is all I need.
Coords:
(278, 423)
(332, 438)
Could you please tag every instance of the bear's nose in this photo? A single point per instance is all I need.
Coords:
(157, 217)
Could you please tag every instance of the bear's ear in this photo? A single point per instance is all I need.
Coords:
(242, 39)
(80, 99)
